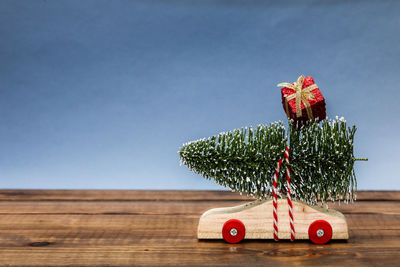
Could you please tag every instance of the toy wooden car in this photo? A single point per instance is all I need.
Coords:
(254, 220)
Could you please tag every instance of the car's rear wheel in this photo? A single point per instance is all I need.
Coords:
(320, 232)
(233, 231)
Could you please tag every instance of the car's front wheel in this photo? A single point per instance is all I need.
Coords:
(233, 231)
(320, 232)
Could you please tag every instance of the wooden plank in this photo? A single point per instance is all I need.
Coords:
(237, 255)
(119, 195)
(85, 230)
(165, 207)
(156, 195)
(128, 239)
(184, 226)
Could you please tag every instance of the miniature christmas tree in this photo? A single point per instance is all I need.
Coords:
(245, 159)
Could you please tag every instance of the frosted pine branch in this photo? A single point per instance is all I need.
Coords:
(244, 160)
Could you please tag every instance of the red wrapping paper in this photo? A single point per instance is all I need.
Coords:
(317, 104)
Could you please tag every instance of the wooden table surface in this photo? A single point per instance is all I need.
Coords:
(122, 228)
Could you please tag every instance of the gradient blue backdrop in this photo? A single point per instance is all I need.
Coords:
(101, 94)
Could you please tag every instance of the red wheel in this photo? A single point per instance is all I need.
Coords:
(320, 232)
(233, 231)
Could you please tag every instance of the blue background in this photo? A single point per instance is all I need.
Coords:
(102, 94)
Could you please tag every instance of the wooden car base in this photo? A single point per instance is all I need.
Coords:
(310, 222)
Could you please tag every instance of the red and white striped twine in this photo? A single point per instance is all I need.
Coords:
(275, 200)
(289, 198)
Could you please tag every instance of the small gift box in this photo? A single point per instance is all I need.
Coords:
(302, 100)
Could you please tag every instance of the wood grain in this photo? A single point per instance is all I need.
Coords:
(158, 228)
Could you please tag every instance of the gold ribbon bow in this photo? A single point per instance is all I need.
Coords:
(301, 94)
